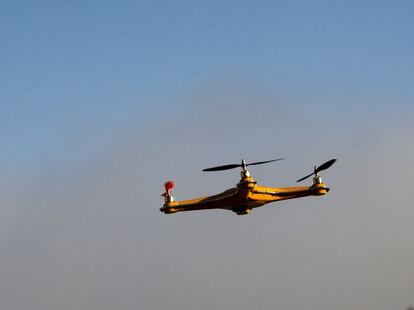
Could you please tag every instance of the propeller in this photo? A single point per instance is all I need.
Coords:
(324, 166)
(169, 185)
(243, 165)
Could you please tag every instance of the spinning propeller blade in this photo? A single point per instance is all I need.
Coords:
(324, 166)
(232, 166)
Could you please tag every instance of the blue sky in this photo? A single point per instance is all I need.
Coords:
(103, 101)
(66, 66)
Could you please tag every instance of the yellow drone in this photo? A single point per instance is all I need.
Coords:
(247, 194)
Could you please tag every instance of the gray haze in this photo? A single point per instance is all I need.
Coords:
(93, 238)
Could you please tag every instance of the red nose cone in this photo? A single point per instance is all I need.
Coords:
(169, 185)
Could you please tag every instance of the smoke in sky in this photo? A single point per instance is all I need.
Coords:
(92, 237)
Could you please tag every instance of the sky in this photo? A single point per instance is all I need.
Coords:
(101, 102)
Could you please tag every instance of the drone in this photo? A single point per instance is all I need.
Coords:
(247, 195)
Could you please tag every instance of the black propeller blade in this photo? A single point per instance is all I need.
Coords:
(324, 166)
(225, 167)
(264, 162)
(232, 166)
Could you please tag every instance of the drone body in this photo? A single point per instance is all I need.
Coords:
(247, 194)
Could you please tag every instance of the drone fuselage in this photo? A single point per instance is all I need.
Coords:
(246, 196)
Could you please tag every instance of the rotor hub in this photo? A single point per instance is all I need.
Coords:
(244, 173)
(169, 185)
(317, 179)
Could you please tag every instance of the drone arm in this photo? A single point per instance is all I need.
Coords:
(221, 201)
(271, 194)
